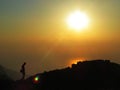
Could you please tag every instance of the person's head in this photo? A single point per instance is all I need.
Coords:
(24, 63)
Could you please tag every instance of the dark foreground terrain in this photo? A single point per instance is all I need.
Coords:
(87, 75)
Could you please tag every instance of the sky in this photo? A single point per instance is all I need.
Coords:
(35, 31)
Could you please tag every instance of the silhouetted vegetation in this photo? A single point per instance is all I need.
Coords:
(87, 75)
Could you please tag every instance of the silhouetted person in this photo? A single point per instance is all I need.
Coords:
(22, 70)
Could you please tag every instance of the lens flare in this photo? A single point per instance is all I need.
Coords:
(36, 79)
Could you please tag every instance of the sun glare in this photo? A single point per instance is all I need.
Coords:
(76, 60)
(77, 21)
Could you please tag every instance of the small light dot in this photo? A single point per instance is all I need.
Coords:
(36, 79)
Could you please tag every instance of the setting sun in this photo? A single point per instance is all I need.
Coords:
(77, 20)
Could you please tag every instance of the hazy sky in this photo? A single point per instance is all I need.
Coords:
(35, 31)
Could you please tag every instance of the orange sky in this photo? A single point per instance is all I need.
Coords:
(36, 32)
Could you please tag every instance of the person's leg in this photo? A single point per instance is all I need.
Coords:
(23, 76)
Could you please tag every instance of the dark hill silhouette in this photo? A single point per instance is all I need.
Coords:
(5, 81)
(88, 75)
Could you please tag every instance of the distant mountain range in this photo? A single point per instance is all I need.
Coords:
(3, 75)
(6, 73)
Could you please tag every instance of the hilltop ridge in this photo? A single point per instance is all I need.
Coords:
(83, 75)
(86, 75)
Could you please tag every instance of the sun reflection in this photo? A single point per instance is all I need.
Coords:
(76, 60)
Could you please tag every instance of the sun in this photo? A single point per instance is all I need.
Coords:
(77, 20)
